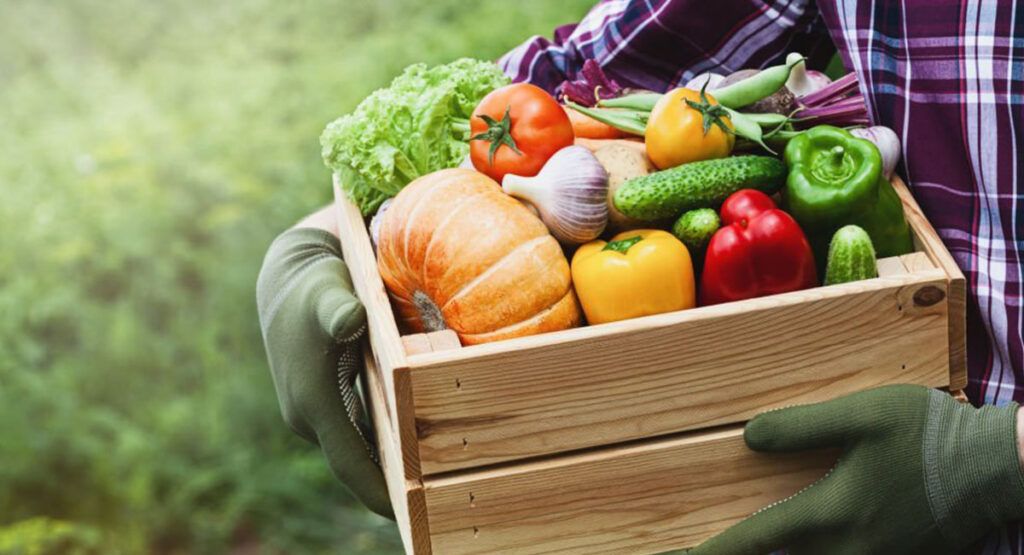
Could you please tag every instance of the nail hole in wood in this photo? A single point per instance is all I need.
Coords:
(903, 367)
(476, 532)
(472, 500)
(465, 443)
(458, 383)
(900, 307)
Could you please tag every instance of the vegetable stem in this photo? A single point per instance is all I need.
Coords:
(622, 245)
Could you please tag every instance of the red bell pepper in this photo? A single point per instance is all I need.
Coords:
(760, 250)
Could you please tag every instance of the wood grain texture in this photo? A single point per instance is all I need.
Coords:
(407, 497)
(928, 241)
(891, 266)
(680, 371)
(387, 347)
(662, 494)
(416, 343)
(362, 264)
(917, 262)
(443, 340)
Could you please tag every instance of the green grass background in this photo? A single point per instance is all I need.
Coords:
(149, 152)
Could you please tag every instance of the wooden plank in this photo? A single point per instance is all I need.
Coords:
(443, 340)
(662, 374)
(917, 262)
(416, 343)
(929, 241)
(647, 498)
(362, 265)
(407, 497)
(387, 347)
(891, 266)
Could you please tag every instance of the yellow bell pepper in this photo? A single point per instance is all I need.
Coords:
(638, 273)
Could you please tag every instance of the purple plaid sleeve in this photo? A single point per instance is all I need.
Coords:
(659, 44)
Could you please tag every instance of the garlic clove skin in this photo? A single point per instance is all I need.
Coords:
(570, 193)
(888, 143)
(712, 80)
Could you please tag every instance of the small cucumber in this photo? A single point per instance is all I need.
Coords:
(695, 228)
(851, 256)
(669, 193)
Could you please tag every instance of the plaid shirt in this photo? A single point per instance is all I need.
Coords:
(946, 76)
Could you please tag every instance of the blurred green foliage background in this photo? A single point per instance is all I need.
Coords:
(149, 152)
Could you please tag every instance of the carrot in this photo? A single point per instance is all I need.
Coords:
(586, 127)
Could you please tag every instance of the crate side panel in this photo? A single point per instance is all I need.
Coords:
(362, 265)
(928, 240)
(658, 376)
(667, 494)
(407, 499)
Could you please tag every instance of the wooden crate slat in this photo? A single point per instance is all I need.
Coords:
(443, 340)
(407, 498)
(387, 347)
(644, 377)
(929, 241)
(647, 498)
(891, 266)
(417, 343)
(917, 262)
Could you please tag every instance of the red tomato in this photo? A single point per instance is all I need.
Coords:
(515, 129)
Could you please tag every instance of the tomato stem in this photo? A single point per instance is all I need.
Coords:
(712, 114)
(498, 133)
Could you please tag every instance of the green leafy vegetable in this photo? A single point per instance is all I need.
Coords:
(417, 125)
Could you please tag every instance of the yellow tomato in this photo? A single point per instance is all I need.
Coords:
(639, 273)
(676, 131)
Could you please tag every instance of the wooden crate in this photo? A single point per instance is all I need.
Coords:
(627, 437)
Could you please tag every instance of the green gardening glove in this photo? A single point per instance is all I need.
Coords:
(312, 326)
(919, 473)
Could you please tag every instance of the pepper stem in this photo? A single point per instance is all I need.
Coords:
(836, 155)
(622, 245)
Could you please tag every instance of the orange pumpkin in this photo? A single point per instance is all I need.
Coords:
(456, 252)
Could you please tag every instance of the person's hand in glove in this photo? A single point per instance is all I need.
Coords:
(312, 325)
(919, 473)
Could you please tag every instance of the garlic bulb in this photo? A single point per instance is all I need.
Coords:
(570, 193)
(888, 144)
(697, 82)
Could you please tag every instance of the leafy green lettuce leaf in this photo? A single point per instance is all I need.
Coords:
(417, 125)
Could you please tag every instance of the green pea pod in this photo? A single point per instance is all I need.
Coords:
(769, 119)
(745, 126)
(755, 87)
(639, 101)
(630, 121)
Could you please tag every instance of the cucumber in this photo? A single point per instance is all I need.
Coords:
(695, 228)
(851, 256)
(669, 193)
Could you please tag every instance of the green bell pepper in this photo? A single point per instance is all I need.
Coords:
(836, 179)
